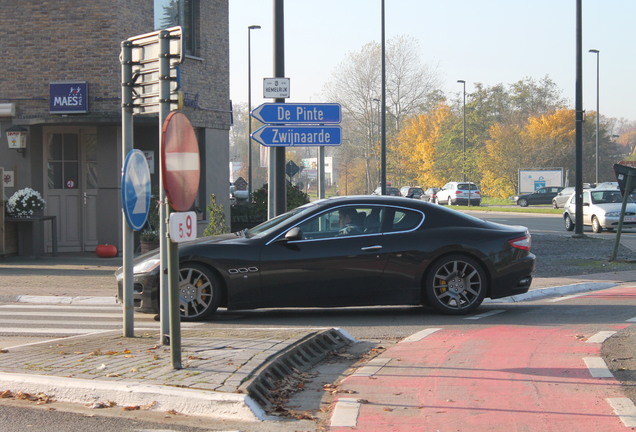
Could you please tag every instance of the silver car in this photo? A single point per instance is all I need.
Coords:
(562, 197)
(456, 193)
(601, 210)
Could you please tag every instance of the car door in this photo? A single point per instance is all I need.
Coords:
(587, 211)
(540, 196)
(324, 267)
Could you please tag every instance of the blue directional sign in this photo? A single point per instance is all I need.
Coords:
(301, 136)
(295, 113)
(135, 189)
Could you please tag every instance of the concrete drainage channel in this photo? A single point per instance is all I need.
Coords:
(299, 357)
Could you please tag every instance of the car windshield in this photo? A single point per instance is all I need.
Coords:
(273, 223)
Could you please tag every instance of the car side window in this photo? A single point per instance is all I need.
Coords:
(341, 222)
(405, 220)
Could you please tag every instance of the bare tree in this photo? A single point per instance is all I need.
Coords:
(356, 85)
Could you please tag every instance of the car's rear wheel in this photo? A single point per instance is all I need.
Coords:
(523, 202)
(455, 285)
(569, 223)
(199, 292)
(450, 201)
(596, 225)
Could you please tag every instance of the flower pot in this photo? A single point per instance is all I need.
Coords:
(147, 246)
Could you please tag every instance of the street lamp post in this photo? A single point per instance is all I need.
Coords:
(464, 140)
(249, 110)
(597, 52)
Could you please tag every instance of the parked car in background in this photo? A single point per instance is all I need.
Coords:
(403, 252)
(415, 192)
(559, 200)
(456, 193)
(429, 194)
(391, 191)
(542, 195)
(601, 210)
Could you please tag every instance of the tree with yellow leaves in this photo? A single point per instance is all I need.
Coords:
(423, 146)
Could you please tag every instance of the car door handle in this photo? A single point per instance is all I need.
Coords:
(369, 248)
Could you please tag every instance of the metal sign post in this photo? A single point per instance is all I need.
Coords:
(625, 176)
(127, 145)
(149, 76)
(180, 170)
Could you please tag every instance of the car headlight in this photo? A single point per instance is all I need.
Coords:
(613, 214)
(146, 266)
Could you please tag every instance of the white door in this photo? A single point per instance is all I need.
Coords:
(71, 191)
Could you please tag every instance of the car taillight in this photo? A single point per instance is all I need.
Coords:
(458, 192)
(522, 243)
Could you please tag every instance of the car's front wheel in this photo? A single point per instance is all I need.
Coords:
(596, 225)
(455, 285)
(523, 202)
(199, 292)
(554, 204)
(569, 223)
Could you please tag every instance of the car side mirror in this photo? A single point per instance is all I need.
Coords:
(294, 234)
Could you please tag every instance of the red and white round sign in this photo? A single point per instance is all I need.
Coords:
(180, 163)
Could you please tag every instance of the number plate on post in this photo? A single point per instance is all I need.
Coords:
(182, 226)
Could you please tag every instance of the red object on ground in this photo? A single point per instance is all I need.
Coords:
(106, 251)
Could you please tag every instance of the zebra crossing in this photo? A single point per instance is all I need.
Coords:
(67, 320)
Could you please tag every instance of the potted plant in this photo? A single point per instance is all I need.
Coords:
(149, 235)
(24, 203)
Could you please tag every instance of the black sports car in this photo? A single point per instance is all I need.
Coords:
(347, 251)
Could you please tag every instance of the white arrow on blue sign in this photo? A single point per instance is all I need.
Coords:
(295, 113)
(135, 189)
(301, 136)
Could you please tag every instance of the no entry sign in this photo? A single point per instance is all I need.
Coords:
(180, 161)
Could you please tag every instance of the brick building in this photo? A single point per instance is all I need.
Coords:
(61, 81)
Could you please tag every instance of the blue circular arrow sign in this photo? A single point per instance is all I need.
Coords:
(135, 189)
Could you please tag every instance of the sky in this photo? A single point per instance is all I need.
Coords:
(489, 42)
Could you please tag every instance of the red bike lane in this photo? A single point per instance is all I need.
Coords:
(478, 378)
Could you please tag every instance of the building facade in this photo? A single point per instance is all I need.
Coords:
(61, 82)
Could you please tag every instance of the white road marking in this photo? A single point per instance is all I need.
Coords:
(597, 367)
(558, 299)
(415, 337)
(625, 410)
(345, 413)
(600, 337)
(51, 330)
(485, 314)
(112, 307)
(631, 320)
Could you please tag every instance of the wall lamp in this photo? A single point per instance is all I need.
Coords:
(17, 138)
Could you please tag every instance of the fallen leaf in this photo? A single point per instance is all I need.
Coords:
(149, 405)
(131, 408)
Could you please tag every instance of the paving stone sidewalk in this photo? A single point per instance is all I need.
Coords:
(217, 360)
